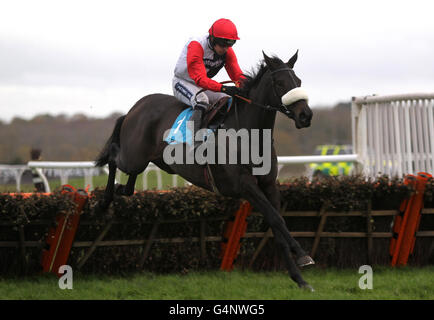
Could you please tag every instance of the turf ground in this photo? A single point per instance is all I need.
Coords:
(100, 181)
(408, 283)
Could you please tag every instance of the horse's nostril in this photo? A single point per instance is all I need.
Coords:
(304, 119)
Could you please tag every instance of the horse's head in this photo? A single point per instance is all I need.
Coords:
(286, 94)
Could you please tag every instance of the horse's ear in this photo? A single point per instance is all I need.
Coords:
(269, 61)
(292, 61)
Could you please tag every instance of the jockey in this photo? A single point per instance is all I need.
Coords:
(200, 60)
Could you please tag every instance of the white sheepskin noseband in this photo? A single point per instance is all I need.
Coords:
(294, 95)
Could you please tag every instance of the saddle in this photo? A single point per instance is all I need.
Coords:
(215, 116)
(213, 119)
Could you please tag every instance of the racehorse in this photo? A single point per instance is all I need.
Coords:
(138, 139)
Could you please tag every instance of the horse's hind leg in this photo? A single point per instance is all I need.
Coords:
(109, 190)
(128, 189)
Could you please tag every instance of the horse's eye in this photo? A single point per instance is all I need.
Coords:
(280, 84)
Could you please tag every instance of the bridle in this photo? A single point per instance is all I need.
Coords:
(282, 107)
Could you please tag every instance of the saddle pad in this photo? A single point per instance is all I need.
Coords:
(179, 133)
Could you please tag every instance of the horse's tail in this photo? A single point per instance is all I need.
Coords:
(112, 145)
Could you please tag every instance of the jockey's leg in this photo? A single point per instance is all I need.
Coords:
(200, 106)
(213, 97)
(188, 93)
(196, 117)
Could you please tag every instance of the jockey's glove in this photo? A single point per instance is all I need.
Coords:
(230, 90)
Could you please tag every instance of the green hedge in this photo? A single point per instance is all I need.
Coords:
(134, 216)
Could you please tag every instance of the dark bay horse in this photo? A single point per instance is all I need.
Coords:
(138, 139)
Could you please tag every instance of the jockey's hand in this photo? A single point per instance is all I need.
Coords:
(230, 90)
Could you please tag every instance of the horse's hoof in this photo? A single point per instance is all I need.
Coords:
(119, 189)
(305, 261)
(307, 287)
(101, 206)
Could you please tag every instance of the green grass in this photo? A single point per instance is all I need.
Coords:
(400, 283)
(101, 181)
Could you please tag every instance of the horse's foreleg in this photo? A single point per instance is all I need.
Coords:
(282, 237)
(272, 193)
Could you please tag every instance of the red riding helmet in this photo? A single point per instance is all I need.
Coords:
(224, 28)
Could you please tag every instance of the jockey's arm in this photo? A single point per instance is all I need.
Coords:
(196, 68)
(232, 67)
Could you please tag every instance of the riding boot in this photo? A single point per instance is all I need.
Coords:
(196, 118)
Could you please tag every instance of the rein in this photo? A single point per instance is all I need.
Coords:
(282, 108)
(249, 101)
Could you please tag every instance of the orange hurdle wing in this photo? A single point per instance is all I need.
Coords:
(412, 180)
(60, 239)
(234, 233)
(409, 234)
(398, 220)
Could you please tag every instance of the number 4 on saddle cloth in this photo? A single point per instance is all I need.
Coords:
(213, 119)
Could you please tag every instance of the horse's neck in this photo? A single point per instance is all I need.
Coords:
(256, 117)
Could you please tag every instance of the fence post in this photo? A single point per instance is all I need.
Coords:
(149, 244)
(95, 244)
(22, 247)
(323, 214)
(358, 119)
(369, 223)
(202, 239)
(264, 240)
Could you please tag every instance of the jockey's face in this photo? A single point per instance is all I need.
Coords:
(220, 50)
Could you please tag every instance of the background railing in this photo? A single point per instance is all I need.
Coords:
(66, 169)
(394, 135)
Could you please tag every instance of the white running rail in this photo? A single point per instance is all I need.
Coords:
(394, 135)
(64, 169)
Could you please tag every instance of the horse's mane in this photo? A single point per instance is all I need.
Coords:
(253, 77)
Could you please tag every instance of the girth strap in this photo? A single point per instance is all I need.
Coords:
(210, 179)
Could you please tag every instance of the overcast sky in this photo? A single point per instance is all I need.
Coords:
(98, 57)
